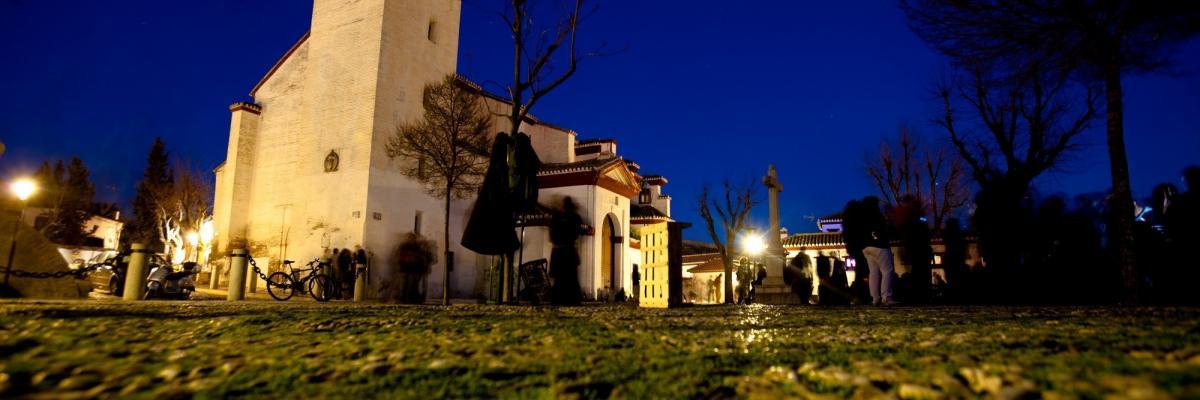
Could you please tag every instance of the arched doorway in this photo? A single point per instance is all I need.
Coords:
(608, 257)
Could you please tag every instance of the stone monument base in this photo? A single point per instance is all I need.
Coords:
(776, 294)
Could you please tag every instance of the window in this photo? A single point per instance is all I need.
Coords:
(417, 222)
(431, 32)
(644, 197)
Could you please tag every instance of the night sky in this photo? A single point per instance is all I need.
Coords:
(704, 90)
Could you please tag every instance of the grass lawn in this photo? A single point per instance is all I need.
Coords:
(304, 349)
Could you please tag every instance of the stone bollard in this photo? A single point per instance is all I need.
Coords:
(253, 283)
(360, 285)
(135, 276)
(214, 276)
(237, 275)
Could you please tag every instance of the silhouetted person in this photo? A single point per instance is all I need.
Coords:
(714, 289)
(743, 283)
(360, 267)
(839, 276)
(854, 235)
(636, 277)
(1183, 232)
(954, 260)
(760, 274)
(798, 274)
(878, 252)
(565, 228)
(345, 263)
(333, 262)
(911, 225)
(414, 256)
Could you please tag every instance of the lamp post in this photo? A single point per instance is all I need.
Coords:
(752, 246)
(23, 189)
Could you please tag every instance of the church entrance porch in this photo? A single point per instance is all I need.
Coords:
(610, 243)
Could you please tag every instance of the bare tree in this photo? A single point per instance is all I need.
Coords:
(926, 172)
(445, 150)
(731, 217)
(1018, 128)
(1027, 122)
(1101, 41)
(180, 208)
(536, 51)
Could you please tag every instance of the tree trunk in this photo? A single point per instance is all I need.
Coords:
(446, 253)
(728, 260)
(1121, 204)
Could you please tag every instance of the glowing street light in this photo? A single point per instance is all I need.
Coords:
(753, 244)
(24, 189)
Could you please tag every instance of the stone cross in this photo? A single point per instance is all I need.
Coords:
(774, 259)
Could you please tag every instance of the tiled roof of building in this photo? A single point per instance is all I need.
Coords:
(699, 258)
(645, 211)
(814, 240)
(655, 179)
(585, 165)
(594, 141)
(834, 239)
(713, 265)
(831, 218)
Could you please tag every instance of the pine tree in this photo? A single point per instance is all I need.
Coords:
(156, 180)
(68, 221)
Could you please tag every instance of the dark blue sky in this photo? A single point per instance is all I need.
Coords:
(706, 89)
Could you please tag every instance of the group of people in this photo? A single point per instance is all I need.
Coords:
(1165, 236)
(343, 266)
(867, 239)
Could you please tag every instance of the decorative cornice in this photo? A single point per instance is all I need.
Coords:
(244, 106)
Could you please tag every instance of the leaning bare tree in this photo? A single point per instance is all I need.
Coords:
(732, 212)
(1017, 128)
(1100, 41)
(445, 150)
(181, 208)
(537, 51)
(927, 173)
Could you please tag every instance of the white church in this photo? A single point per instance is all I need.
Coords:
(307, 170)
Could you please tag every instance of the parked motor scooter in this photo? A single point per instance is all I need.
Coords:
(165, 283)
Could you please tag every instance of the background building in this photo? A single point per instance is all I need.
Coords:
(306, 168)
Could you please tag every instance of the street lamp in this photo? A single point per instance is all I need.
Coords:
(24, 189)
(753, 244)
(193, 240)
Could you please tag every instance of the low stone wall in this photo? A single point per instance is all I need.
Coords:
(34, 253)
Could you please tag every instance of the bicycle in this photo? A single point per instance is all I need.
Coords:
(282, 285)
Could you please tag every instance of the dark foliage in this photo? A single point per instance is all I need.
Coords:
(67, 196)
(1164, 238)
(1098, 41)
(157, 178)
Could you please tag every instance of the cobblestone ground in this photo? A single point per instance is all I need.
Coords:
(305, 349)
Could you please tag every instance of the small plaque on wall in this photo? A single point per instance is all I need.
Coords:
(356, 214)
